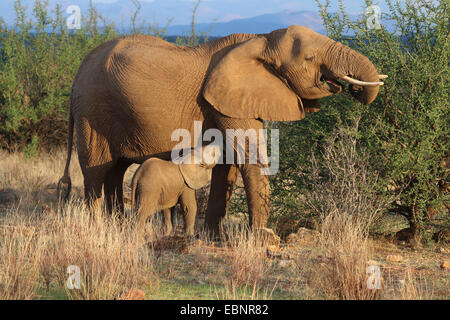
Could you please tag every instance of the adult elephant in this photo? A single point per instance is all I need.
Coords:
(131, 93)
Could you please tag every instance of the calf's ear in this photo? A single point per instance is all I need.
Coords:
(195, 176)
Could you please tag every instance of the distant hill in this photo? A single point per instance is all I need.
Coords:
(264, 24)
(259, 24)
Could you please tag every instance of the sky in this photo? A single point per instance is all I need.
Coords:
(181, 10)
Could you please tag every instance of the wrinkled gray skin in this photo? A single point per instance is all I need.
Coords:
(162, 184)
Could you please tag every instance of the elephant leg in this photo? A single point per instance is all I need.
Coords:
(113, 188)
(144, 214)
(222, 183)
(94, 178)
(189, 206)
(146, 205)
(95, 161)
(257, 190)
(173, 212)
(93, 193)
(168, 221)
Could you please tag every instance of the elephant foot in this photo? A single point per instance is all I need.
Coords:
(212, 232)
(168, 232)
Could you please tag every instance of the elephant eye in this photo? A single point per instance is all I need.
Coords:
(309, 57)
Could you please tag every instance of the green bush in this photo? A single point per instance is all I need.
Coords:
(405, 130)
(39, 59)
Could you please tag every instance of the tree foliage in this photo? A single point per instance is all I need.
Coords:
(405, 131)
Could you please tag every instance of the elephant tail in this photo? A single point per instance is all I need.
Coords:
(65, 183)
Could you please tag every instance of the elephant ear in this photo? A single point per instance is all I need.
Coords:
(242, 86)
(195, 176)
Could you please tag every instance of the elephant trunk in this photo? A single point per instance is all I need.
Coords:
(355, 68)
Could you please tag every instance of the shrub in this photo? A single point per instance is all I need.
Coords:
(405, 130)
(39, 60)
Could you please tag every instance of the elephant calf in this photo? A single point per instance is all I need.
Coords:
(160, 185)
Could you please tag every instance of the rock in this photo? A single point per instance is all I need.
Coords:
(273, 248)
(307, 234)
(132, 294)
(8, 196)
(273, 251)
(303, 236)
(268, 236)
(445, 264)
(293, 238)
(443, 250)
(389, 224)
(394, 258)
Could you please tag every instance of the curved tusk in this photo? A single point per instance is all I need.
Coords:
(362, 83)
(382, 76)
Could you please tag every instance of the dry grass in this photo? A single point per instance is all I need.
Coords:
(342, 271)
(344, 199)
(408, 287)
(36, 251)
(38, 243)
(248, 264)
(21, 255)
(37, 247)
(35, 174)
